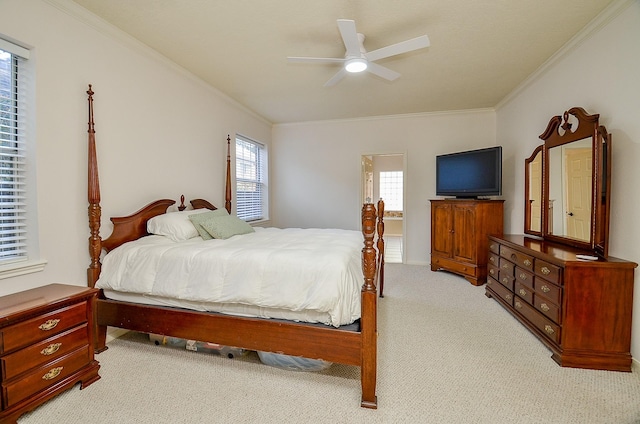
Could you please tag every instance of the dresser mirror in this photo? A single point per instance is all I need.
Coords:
(533, 169)
(568, 183)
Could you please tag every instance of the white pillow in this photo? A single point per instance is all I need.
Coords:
(175, 225)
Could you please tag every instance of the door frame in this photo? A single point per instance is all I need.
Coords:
(404, 191)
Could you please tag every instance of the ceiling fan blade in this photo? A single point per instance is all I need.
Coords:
(382, 71)
(336, 78)
(349, 37)
(399, 48)
(315, 59)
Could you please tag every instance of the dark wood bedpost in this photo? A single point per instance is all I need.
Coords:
(227, 202)
(369, 312)
(95, 242)
(380, 246)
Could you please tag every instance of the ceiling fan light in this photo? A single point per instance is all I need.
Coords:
(355, 65)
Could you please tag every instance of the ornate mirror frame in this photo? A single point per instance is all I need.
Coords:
(533, 182)
(564, 134)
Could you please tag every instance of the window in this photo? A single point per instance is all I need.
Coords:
(251, 178)
(391, 190)
(18, 220)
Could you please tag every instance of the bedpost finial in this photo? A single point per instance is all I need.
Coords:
(91, 123)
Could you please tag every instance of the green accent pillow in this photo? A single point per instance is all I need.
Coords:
(223, 227)
(197, 220)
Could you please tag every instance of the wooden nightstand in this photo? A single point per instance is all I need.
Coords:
(46, 345)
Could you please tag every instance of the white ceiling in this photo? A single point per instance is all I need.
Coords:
(480, 50)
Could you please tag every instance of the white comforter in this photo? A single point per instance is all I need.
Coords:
(292, 269)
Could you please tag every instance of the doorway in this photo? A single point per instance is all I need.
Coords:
(383, 177)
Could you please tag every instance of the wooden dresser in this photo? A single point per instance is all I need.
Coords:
(46, 345)
(580, 309)
(459, 230)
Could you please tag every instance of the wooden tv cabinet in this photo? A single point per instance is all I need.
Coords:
(459, 230)
(580, 309)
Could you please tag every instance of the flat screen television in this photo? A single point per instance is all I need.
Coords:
(470, 174)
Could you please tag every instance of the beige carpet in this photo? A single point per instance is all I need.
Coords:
(447, 354)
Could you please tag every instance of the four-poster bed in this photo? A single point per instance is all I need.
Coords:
(355, 345)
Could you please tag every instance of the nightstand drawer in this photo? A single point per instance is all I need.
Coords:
(43, 352)
(42, 327)
(45, 376)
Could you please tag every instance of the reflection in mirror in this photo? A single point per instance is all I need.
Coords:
(533, 193)
(570, 190)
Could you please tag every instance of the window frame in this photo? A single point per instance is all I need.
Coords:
(257, 174)
(22, 133)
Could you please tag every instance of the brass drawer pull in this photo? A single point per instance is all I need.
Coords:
(548, 329)
(492, 246)
(492, 271)
(523, 292)
(505, 266)
(492, 259)
(527, 262)
(518, 305)
(508, 297)
(51, 349)
(523, 276)
(545, 288)
(49, 325)
(505, 280)
(545, 270)
(544, 307)
(53, 373)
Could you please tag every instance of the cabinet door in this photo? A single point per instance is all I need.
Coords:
(464, 233)
(441, 229)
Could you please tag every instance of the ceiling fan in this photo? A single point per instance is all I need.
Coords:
(357, 59)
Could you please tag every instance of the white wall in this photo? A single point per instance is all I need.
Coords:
(599, 74)
(316, 173)
(160, 131)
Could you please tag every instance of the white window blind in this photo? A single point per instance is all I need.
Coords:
(251, 174)
(391, 190)
(13, 95)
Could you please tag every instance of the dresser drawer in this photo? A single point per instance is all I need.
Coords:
(506, 267)
(547, 308)
(494, 247)
(524, 292)
(549, 328)
(494, 259)
(500, 290)
(45, 376)
(548, 290)
(43, 352)
(524, 277)
(548, 271)
(493, 271)
(506, 279)
(521, 259)
(42, 327)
